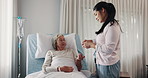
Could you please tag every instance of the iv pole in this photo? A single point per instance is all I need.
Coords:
(20, 34)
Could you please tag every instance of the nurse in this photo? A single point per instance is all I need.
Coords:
(107, 42)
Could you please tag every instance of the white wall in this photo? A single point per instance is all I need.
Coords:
(41, 16)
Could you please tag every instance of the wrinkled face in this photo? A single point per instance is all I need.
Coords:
(61, 43)
(100, 15)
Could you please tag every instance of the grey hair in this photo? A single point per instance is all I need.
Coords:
(54, 40)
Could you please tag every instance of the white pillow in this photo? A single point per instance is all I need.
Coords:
(71, 42)
(44, 43)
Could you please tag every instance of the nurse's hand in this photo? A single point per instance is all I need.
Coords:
(88, 44)
(85, 43)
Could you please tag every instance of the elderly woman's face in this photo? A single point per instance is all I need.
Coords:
(61, 42)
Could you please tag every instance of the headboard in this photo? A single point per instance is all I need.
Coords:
(33, 64)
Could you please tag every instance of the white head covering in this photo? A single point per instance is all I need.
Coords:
(54, 40)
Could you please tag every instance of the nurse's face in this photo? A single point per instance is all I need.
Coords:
(101, 15)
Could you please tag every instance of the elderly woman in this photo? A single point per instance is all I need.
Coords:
(61, 59)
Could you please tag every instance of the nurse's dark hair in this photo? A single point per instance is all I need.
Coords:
(111, 11)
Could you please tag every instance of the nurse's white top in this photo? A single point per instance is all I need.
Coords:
(108, 45)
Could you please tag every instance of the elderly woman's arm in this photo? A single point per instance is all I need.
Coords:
(46, 67)
(78, 64)
(78, 61)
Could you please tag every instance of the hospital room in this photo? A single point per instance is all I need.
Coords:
(73, 38)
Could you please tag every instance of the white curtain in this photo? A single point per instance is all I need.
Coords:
(74, 18)
(77, 17)
(68, 21)
(131, 16)
(6, 23)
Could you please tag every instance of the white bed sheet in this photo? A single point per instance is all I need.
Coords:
(40, 74)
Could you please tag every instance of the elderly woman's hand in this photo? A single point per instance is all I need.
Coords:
(66, 68)
(80, 57)
(78, 61)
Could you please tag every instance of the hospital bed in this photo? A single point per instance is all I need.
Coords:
(34, 65)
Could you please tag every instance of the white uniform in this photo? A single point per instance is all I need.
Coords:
(108, 45)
